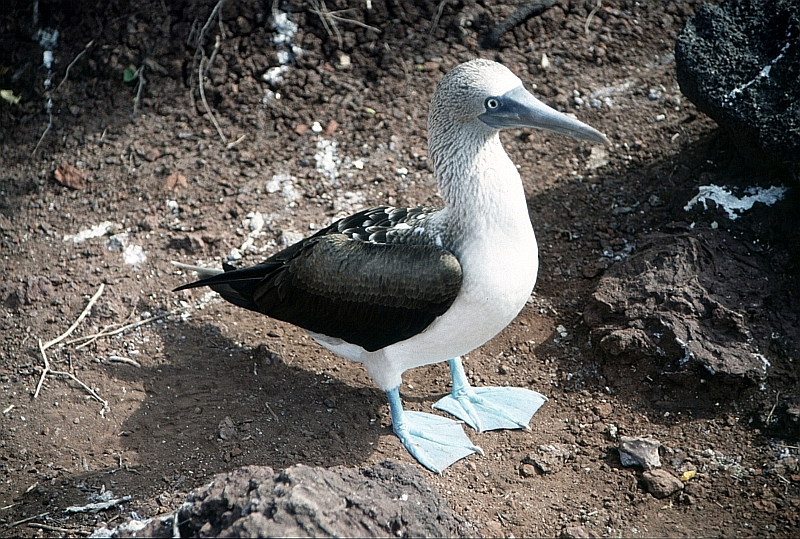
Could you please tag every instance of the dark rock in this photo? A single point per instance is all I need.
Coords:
(389, 499)
(603, 410)
(783, 418)
(548, 459)
(576, 532)
(666, 304)
(625, 340)
(227, 429)
(13, 296)
(739, 62)
(661, 483)
(190, 243)
(265, 356)
(527, 470)
(148, 223)
(35, 288)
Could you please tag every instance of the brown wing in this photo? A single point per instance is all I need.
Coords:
(369, 294)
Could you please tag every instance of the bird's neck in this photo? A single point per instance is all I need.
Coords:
(479, 183)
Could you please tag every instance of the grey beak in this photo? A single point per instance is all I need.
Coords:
(518, 108)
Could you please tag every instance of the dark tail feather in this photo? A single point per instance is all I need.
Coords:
(236, 286)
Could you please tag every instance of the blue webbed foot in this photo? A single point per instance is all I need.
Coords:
(436, 442)
(489, 408)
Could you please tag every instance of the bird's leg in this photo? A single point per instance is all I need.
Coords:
(435, 441)
(489, 408)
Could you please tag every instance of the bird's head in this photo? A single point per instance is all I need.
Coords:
(488, 92)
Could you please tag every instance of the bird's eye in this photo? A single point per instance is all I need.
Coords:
(492, 103)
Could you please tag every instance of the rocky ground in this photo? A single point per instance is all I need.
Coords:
(649, 319)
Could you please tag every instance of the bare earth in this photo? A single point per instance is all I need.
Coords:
(206, 387)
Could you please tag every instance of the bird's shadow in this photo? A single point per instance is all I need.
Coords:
(210, 399)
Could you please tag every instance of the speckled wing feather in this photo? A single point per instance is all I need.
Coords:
(366, 279)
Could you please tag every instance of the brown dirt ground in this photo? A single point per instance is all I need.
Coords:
(289, 400)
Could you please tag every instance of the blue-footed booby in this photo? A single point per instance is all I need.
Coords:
(398, 288)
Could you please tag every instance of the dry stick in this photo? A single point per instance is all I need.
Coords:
(119, 359)
(24, 520)
(44, 372)
(591, 14)
(79, 320)
(96, 336)
(57, 529)
(213, 55)
(192, 31)
(333, 15)
(88, 389)
(95, 507)
(200, 72)
(208, 22)
(91, 338)
(205, 102)
(777, 396)
(46, 130)
(72, 63)
(435, 21)
(321, 10)
(536, 7)
(235, 142)
(47, 370)
(141, 84)
(272, 412)
(329, 19)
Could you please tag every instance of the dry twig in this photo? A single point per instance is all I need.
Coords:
(201, 72)
(235, 142)
(335, 17)
(321, 10)
(58, 530)
(201, 78)
(96, 336)
(132, 325)
(95, 507)
(119, 359)
(47, 370)
(79, 320)
(525, 11)
(591, 14)
(44, 372)
(435, 21)
(272, 412)
(769, 417)
(24, 520)
(330, 18)
(217, 9)
(72, 63)
(88, 389)
(46, 129)
(139, 87)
